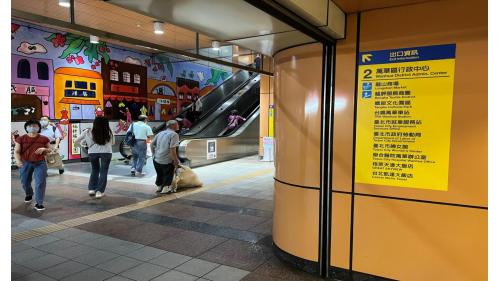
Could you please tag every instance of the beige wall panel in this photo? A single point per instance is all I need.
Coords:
(297, 97)
(464, 23)
(341, 224)
(417, 241)
(295, 220)
(344, 108)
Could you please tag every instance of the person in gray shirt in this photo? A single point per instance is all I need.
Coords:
(165, 160)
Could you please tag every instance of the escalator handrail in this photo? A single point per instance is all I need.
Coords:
(184, 112)
(214, 89)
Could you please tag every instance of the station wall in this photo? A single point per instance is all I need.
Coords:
(388, 231)
(64, 76)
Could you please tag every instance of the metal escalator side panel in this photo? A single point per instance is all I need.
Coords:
(244, 142)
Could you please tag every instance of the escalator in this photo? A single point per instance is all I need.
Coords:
(213, 103)
(219, 95)
(244, 100)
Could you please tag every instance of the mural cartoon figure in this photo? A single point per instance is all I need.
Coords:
(123, 125)
(64, 117)
(144, 110)
(99, 112)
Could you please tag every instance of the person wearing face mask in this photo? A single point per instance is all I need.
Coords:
(30, 153)
(54, 136)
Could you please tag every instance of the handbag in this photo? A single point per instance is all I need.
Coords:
(53, 159)
(130, 137)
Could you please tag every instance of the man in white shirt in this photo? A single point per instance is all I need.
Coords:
(54, 136)
(142, 132)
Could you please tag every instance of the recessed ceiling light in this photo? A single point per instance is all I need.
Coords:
(215, 45)
(158, 27)
(94, 39)
(64, 3)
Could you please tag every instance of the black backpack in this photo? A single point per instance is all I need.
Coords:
(130, 137)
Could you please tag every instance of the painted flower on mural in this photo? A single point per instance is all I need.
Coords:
(158, 63)
(216, 76)
(74, 44)
(13, 28)
(59, 40)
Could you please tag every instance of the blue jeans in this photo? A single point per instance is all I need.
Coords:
(39, 169)
(139, 151)
(99, 175)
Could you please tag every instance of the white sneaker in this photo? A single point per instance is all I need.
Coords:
(140, 174)
(98, 194)
(166, 189)
(158, 188)
(91, 192)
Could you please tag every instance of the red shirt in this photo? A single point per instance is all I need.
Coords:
(29, 145)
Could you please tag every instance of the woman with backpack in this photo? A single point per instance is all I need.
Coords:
(99, 140)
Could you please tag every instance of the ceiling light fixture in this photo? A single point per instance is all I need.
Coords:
(64, 3)
(94, 39)
(215, 45)
(158, 27)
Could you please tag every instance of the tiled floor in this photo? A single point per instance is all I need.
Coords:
(221, 233)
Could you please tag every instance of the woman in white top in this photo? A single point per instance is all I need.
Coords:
(99, 141)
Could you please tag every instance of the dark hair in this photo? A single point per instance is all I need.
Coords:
(234, 111)
(101, 132)
(33, 122)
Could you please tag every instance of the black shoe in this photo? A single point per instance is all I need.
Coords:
(61, 171)
(132, 174)
(39, 207)
(28, 198)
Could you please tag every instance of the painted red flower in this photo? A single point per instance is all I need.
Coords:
(59, 40)
(79, 60)
(92, 66)
(69, 59)
(97, 63)
(14, 27)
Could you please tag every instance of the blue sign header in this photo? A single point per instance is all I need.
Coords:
(437, 52)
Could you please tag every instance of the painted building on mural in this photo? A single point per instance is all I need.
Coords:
(162, 100)
(77, 94)
(125, 86)
(31, 87)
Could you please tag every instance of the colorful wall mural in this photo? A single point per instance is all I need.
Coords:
(65, 76)
(71, 80)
